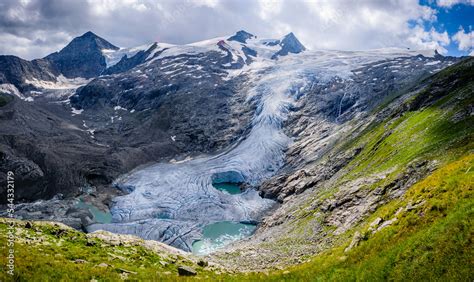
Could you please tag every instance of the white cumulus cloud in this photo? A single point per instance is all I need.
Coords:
(450, 3)
(431, 39)
(465, 40)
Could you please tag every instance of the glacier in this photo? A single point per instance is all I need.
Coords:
(173, 202)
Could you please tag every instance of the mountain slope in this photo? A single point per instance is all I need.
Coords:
(126, 63)
(16, 71)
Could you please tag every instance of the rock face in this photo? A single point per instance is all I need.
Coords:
(15, 71)
(289, 44)
(241, 36)
(76, 160)
(286, 185)
(162, 94)
(352, 202)
(127, 63)
(82, 57)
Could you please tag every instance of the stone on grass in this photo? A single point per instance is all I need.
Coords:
(186, 271)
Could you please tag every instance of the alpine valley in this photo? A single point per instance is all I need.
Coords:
(237, 158)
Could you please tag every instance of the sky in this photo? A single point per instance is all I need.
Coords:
(34, 28)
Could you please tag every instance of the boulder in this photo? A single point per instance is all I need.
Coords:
(186, 271)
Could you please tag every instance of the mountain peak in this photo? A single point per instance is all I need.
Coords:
(292, 43)
(241, 36)
(437, 54)
(290, 36)
(82, 57)
(88, 34)
(289, 44)
(92, 38)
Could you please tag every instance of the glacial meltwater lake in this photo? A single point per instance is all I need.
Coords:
(231, 188)
(99, 215)
(219, 234)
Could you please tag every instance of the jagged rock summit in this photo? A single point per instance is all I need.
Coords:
(82, 57)
(241, 36)
(289, 44)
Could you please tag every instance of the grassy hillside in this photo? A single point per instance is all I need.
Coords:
(47, 251)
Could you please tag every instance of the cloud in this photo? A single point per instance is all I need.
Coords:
(350, 25)
(450, 3)
(465, 40)
(34, 28)
(431, 40)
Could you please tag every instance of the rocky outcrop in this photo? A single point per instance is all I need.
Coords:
(297, 182)
(16, 71)
(353, 201)
(140, 57)
(129, 240)
(27, 173)
(289, 44)
(241, 36)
